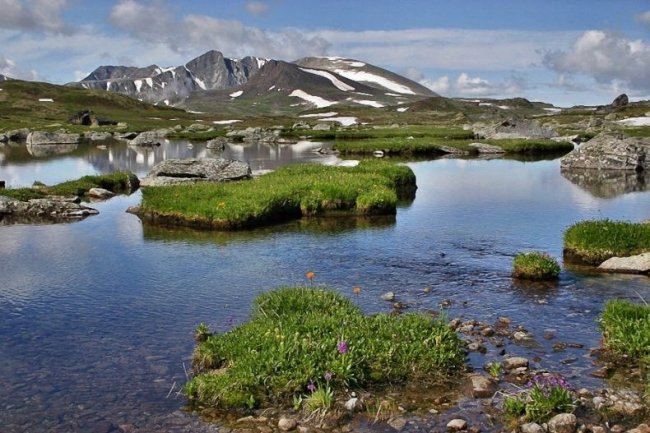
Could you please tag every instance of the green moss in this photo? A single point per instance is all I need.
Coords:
(300, 336)
(593, 242)
(626, 330)
(535, 266)
(293, 191)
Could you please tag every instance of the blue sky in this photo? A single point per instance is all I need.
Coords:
(566, 52)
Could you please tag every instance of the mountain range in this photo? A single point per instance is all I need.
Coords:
(212, 82)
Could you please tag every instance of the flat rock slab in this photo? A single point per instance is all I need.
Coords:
(44, 138)
(639, 264)
(486, 148)
(52, 209)
(176, 171)
(609, 151)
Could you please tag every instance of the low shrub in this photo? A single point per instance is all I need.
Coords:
(593, 242)
(626, 330)
(302, 345)
(535, 266)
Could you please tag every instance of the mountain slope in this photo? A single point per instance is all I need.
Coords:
(285, 88)
(210, 71)
(365, 73)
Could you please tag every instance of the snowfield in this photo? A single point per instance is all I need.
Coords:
(335, 81)
(635, 121)
(225, 122)
(328, 114)
(316, 100)
(372, 78)
(344, 121)
(236, 94)
(374, 104)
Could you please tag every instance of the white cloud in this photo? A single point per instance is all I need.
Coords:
(644, 18)
(440, 85)
(34, 15)
(202, 33)
(606, 57)
(8, 68)
(477, 86)
(257, 8)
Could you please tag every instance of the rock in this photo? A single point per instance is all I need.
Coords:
(100, 136)
(453, 150)
(255, 135)
(563, 423)
(397, 423)
(388, 296)
(218, 143)
(482, 386)
(620, 101)
(606, 183)
(100, 193)
(38, 138)
(515, 128)
(514, 362)
(18, 134)
(639, 264)
(149, 138)
(287, 424)
(457, 424)
(51, 209)
(322, 127)
(521, 336)
(2, 184)
(476, 346)
(532, 427)
(487, 148)
(598, 429)
(301, 125)
(3, 138)
(609, 151)
(86, 118)
(352, 404)
(641, 428)
(173, 171)
(199, 127)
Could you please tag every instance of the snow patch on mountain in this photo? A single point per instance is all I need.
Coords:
(374, 104)
(316, 100)
(335, 81)
(343, 120)
(328, 114)
(226, 122)
(372, 78)
(236, 94)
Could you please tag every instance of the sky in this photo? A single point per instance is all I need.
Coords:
(566, 52)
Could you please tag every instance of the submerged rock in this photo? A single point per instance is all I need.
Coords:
(638, 264)
(174, 171)
(609, 151)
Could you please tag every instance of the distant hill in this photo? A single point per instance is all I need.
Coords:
(3, 77)
(207, 82)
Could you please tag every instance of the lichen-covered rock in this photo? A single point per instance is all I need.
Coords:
(51, 209)
(609, 151)
(174, 171)
(149, 138)
(46, 138)
(638, 264)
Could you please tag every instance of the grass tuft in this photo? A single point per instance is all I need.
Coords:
(626, 330)
(315, 342)
(535, 266)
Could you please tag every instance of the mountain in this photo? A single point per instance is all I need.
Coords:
(208, 83)
(367, 74)
(284, 88)
(3, 77)
(210, 71)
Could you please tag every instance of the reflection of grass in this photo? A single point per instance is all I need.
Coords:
(116, 182)
(298, 190)
(595, 241)
(301, 339)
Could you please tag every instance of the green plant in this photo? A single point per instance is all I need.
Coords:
(544, 397)
(595, 241)
(495, 369)
(298, 335)
(320, 399)
(626, 330)
(116, 182)
(201, 333)
(535, 266)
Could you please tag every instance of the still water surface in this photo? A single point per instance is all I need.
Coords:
(96, 317)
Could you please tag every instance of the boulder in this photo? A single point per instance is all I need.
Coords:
(199, 127)
(100, 193)
(486, 148)
(173, 171)
(639, 264)
(457, 424)
(563, 423)
(255, 135)
(100, 136)
(18, 134)
(620, 101)
(287, 424)
(149, 138)
(51, 209)
(482, 386)
(532, 427)
(218, 143)
(514, 362)
(38, 138)
(609, 151)
(515, 128)
(3, 138)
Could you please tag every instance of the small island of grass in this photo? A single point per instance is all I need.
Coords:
(535, 266)
(371, 188)
(304, 347)
(593, 242)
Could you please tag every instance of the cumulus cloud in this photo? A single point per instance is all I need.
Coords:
(606, 57)
(34, 15)
(8, 68)
(202, 32)
(477, 86)
(644, 18)
(257, 8)
(439, 85)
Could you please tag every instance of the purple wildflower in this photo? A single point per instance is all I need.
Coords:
(328, 376)
(311, 387)
(546, 382)
(342, 347)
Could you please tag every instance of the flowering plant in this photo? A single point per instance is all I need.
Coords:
(544, 396)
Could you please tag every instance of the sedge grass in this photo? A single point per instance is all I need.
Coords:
(371, 188)
(595, 241)
(626, 330)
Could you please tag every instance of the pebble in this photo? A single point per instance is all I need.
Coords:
(287, 424)
(397, 423)
(532, 427)
(388, 296)
(563, 423)
(514, 363)
(457, 424)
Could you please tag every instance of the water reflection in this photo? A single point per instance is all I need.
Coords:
(607, 183)
(21, 166)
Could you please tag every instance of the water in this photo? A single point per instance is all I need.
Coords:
(97, 316)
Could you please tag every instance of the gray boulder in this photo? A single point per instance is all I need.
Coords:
(38, 138)
(620, 101)
(486, 148)
(515, 128)
(51, 209)
(218, 143)
(18, 134)
(482, 386)
(563, 423)
(149, 138)
(609, 151)
(639, 264)
(255, 135)
(174, 171)
(100, 193)
(3, 138)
